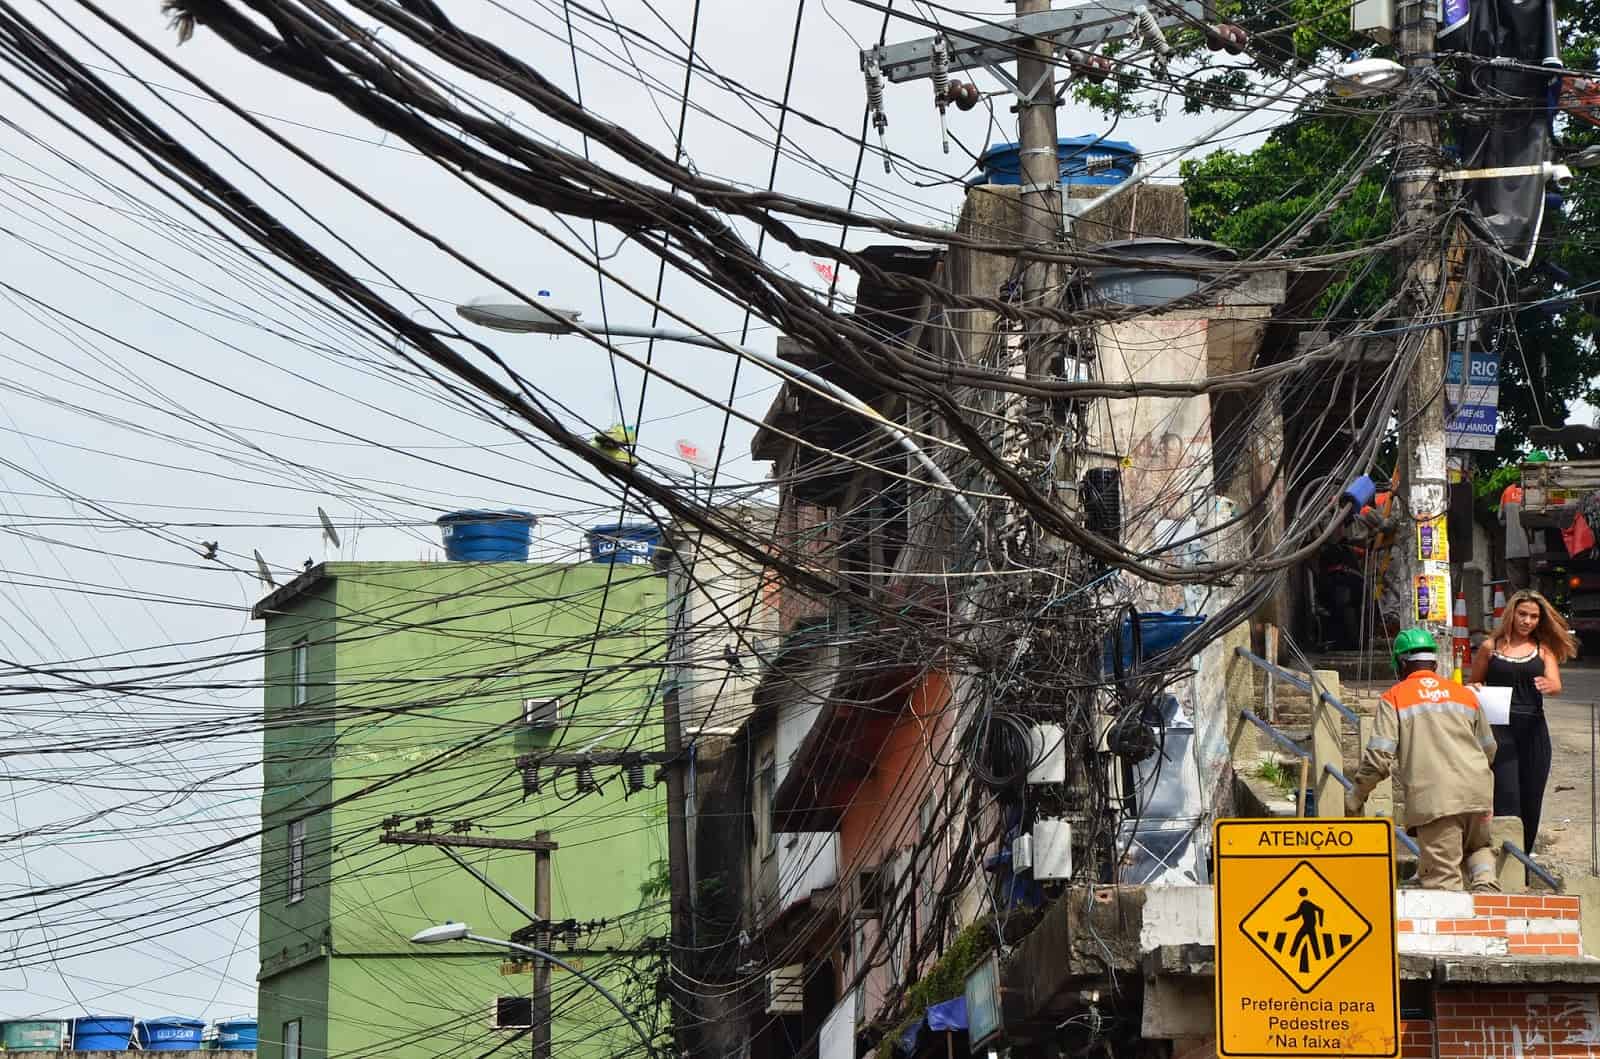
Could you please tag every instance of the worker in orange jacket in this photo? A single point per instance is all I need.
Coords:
(1432, 735)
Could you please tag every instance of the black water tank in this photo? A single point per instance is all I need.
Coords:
(1101, 494)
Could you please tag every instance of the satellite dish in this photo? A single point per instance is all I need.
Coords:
(262, 571)
(329, 534)
(695, 456)
(1361, 78)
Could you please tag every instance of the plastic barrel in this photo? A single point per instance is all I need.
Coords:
(102, 1033)
(1082, 160)
(171, 1034)
(486, 536)
(627, 543)
(1159, 632)
(238, 1035)
(1171, 269)
(34, 1035)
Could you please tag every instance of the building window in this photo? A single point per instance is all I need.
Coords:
(291, 1039)
(299, 663)
(297, 860)
(766, 796)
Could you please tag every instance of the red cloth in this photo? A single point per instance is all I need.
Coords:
(1579, 537)
(1512, 494)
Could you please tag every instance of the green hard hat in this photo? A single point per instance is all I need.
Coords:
(1538, 456)
(1411, 640)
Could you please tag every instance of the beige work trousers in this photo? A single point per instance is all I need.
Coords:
(1454, 847)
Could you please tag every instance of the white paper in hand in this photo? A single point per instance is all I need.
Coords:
(1496, 704)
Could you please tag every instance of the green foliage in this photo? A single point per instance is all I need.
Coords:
(1550, 356)
(1284, 38)
(945, 980)
(657, 886)
(1275, 773)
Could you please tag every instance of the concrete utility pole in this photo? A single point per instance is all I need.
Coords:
(1040, 200)
(1422, 439)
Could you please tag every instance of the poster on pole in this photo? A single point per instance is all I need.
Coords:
(1472, 399)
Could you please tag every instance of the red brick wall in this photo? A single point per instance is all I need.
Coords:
(1516, 1024)
(1442, 924)
(1416, 1040)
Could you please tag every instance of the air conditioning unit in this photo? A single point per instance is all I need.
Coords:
(541, 714)
(786, 990)
(511, 1013)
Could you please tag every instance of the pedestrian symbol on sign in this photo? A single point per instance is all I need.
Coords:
(1305, 927)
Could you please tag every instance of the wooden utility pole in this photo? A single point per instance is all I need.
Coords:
(541, 968)
(1422, 437)
(677, 845)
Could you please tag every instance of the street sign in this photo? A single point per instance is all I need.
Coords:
(1306, 958)
(1472, 399)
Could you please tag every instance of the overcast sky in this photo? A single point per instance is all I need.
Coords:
(161, 391)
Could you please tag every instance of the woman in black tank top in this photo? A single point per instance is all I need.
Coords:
(1524, 654)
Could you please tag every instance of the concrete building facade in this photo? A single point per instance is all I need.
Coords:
(399, 697)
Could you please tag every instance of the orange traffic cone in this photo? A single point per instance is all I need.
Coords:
(1460, 638)
(1499, 602)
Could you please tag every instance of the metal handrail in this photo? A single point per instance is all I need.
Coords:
(1344, 781)
(1407, 841)
(1277, 736)
(1527, 862)
(1299, 682)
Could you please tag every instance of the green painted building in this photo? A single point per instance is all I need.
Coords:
(398, 699)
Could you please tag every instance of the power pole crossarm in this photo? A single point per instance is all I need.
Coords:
(988, 45)
(420, 838)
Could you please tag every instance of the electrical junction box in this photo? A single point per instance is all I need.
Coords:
(1022, 854)
(1052, 850)
(1047, 754)
(1375, 18)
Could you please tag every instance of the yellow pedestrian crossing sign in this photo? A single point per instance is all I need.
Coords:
(1305, 954)
(1305, 927)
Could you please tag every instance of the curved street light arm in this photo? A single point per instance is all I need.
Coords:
(564, 965)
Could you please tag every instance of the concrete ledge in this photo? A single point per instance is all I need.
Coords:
(1524, 970)
(1199, 961)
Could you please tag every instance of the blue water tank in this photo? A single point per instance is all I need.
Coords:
(486, 536)
(237, 1035)
(102, 1033)
(626, 543)
(1159, 632)
(171, 1034)
(1087, 161)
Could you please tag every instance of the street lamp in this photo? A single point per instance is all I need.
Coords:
(522, 317)
(446, 932)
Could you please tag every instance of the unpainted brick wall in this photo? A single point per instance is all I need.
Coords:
(1502, 1023)
(1416, 1039)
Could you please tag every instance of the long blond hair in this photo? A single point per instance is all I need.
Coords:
(1551, 632)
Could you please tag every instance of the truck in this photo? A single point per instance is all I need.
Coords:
(1552, 493)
